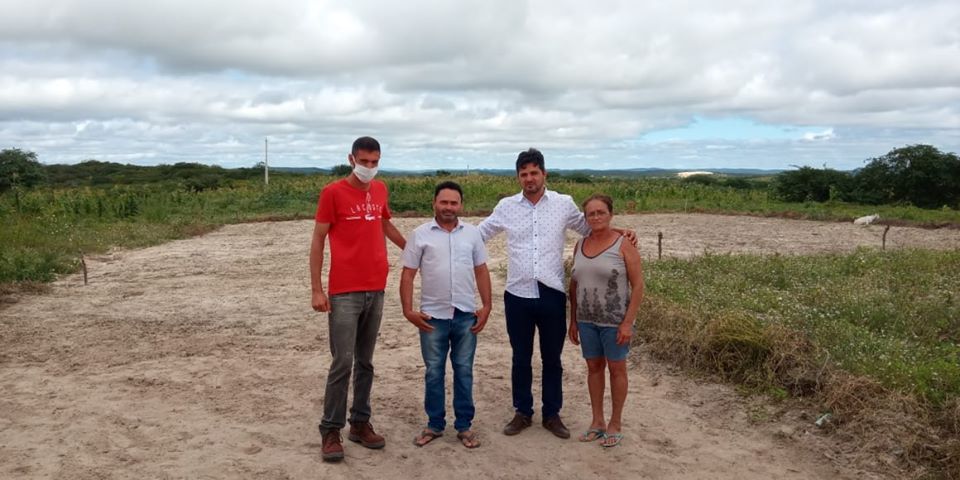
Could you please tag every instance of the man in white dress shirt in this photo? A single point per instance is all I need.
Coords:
(535, 220)
(453, 259)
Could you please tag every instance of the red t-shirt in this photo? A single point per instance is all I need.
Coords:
(358, 250)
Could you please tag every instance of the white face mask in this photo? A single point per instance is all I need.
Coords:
(364, 174)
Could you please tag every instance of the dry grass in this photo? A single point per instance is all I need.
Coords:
(949, 421)
(894, 431)
(736, 347)
(950, 417)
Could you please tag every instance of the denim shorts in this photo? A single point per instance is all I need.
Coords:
(601, 341)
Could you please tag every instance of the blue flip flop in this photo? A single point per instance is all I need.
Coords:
(592, 435)
(611, 440)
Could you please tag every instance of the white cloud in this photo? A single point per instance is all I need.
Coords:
(819, 136)
(475, 80)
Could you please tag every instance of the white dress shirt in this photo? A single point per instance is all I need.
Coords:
(446, 261)
(535, 239)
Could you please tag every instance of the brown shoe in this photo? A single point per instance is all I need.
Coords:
(556, 426)
(362, 433)
(519, 422)
(332, 450)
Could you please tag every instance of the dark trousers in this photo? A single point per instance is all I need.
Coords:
(524, 316)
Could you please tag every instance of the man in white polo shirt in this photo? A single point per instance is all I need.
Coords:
(452, 257)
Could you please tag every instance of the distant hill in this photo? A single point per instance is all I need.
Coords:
(667, 172)
(199, 176)
(302, 170)
(627, 172)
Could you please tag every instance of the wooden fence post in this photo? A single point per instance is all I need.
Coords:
(885, 230)
(659, 245)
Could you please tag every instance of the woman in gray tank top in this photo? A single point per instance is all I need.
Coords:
(606, 288)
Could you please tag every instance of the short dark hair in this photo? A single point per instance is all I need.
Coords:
(598, 196)
(529, 156)
(448, 185)
(368, 144)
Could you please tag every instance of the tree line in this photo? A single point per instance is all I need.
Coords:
(20, 169)
(918, 175)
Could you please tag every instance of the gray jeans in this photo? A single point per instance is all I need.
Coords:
(354, 323)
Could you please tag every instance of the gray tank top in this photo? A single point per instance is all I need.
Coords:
(603, 291)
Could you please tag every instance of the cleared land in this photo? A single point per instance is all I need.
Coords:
(201, 358)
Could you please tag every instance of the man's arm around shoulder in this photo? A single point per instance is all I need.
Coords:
(494, 223)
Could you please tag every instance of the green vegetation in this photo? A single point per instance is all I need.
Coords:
(19, 169)
(52, 214)
(812, 184)
(341, 170)
(917, 175)
(871, 337)
(891, 316)
(189, 176)
(47, 227)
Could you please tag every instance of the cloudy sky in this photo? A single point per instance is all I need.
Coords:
(469, 83)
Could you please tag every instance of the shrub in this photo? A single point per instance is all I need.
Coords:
(920, 175)
(812, 184)
(19, 169)
(702, 179)
(341, 170)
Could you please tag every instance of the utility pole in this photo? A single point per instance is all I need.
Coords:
(266, 169)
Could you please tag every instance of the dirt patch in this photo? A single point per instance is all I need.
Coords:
(11, 293)
(202, 358)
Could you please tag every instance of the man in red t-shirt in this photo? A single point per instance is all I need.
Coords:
(353, 212)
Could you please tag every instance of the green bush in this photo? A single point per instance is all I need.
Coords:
(702, 179)
(341, 170)
(919, 175)
(19, 169)
(812, 184)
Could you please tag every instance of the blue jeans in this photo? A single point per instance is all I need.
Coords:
(453, 336)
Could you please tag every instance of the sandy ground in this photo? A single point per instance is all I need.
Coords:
(201, 358)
